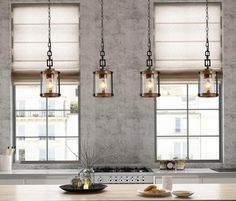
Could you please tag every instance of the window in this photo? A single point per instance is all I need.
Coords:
(47, 137)
(187, 127)
(45, 129)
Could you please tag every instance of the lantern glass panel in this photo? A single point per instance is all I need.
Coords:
(103, 83)
(150, 83)
(208, 83)
(50, 83)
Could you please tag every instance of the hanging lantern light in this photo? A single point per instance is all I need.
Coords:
(103, 78)
(149, 78)
(208, 78)
(49, 78)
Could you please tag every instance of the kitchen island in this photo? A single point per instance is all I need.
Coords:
(114, 192)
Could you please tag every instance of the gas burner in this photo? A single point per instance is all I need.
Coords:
(122, 169)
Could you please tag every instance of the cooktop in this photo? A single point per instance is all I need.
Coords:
(122, 169)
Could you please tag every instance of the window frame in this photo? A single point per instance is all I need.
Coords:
(47, 138)
(187, 136)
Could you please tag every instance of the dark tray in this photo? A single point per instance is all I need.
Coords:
(95, 188)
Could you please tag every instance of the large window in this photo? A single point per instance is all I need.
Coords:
(187, 127)
(46, 129)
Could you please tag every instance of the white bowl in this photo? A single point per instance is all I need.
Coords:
(183, 194)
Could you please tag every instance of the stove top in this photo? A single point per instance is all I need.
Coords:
(122, 169)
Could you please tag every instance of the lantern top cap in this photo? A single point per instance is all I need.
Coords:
(103, 70)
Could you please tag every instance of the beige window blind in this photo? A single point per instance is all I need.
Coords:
(180, 36)
(30, 38)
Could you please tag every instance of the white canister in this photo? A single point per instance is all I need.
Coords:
(167, 182)
(5, 162)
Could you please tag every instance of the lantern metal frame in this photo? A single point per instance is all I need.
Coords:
(103, 73)
(49, 73)
(208, 73)
(149, 72)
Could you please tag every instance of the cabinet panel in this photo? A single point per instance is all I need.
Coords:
(11, 181)
(182, 180)
(219, 180)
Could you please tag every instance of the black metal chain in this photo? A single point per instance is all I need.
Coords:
(207, 61)
(102, 52)
(49, 53)
(149, 52)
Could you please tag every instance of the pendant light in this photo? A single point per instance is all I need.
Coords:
(103, 78)
(208, 78)
(49, 78)
(149, 78)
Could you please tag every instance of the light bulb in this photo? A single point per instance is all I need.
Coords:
(149, 84)
(49, 86)
(207, 85)
(103, 85)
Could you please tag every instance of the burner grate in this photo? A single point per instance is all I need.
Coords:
(122, 169)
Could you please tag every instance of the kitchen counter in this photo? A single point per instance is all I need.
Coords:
(190, 171)
(41, 172)
(59, 176)
(115, 192)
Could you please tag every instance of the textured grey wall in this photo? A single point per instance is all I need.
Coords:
(122, 127)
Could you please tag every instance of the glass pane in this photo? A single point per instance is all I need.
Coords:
(204, 148)
(30, 149)
(186, 13)
(67, 101)
(173, 96)
(171, 123)
(64, 123)
(201, 103)
(27, 98)
(61, 149)
(169, 148)
(30, 126)
(203, 122)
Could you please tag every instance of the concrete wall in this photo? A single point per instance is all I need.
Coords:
(122, 128)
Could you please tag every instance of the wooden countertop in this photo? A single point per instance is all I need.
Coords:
(115, 192)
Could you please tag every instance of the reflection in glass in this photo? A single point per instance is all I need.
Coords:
(64, 148)
(34, 114)
(31, 149)
(203, 122)
(201, 103)
(169, 148)
(172, 122)
(173, 96)
(204, 148)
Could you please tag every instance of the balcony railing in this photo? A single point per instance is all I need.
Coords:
(41, 114)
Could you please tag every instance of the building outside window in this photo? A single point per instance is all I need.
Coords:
(47, 137)
(51, 127)
(197, 137)
(187, 127)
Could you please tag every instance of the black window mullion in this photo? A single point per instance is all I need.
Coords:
(46, 129)
(187, 87)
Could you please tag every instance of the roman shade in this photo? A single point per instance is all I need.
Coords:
(180, 36)
(30, 40)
